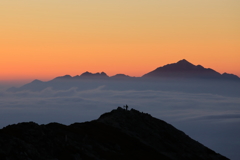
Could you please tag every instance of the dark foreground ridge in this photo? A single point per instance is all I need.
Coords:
(117, 135)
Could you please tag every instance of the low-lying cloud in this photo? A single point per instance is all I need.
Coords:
(160, 103)
(203, 116)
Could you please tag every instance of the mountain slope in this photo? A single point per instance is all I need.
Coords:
(119, 134)
(183, 69)
(157, 134)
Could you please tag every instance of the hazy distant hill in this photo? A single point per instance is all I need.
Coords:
(94, 75)
(185, 69)
(117, 135)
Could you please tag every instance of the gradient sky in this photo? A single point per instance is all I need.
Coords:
(42, 39)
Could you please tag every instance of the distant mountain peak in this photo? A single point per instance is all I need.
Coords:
(86, 73)
(183, 69)
(66, 77)
(184, 61)
(36, 81)
(90, 75)
(184, 64)
(103, 74)
(230, 76)
(120, 76)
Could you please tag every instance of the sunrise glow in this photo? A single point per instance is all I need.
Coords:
(44, 39)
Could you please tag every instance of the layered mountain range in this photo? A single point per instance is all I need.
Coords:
(120, 135)
(182, 71)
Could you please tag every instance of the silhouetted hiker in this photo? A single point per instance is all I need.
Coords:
(125, 107)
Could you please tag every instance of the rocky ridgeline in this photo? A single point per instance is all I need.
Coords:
(117, 135)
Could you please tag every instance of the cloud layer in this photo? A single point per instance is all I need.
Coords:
(209, 118)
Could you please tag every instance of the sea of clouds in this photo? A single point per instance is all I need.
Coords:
(211, 119)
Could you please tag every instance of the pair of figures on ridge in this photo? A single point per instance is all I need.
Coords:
(125, 107)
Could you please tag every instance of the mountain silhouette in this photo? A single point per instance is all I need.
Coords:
(230, 76)
(183, 69)
(120, 76)
(120, 135)
(85, 75)
(190, 77)
(93, 75)
(66, 77)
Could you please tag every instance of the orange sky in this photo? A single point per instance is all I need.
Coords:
(44, 39)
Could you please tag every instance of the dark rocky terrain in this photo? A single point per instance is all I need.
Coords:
(118, 135)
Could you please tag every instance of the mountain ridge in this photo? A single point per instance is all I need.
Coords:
(182, 70)
(119, 134)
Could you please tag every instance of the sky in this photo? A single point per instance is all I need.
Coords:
(45, 39)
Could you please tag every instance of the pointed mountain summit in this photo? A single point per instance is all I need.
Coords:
(183, 69)
(184, 64)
